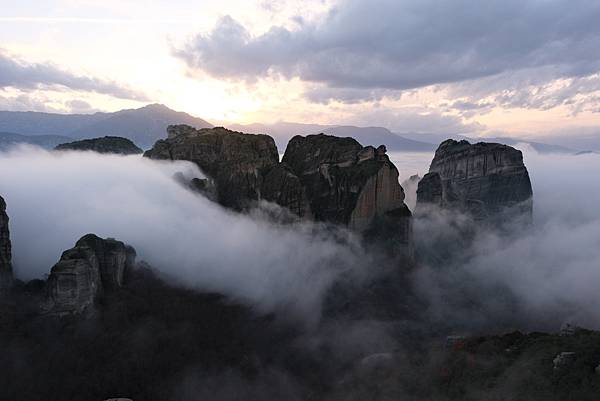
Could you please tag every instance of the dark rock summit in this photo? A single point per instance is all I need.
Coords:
(94, 266)
(336, 180)
(107, 144)
(236, 162)
(6, 275)
(321, 177)
(483, 179)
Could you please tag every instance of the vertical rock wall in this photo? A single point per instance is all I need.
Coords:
(6, 274)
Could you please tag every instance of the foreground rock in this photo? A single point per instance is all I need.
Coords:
(236, 162)
(483, 179)
(94, 266)
(6, 275)
(107, 144)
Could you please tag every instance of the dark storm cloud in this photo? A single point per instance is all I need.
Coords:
(408, 44)
(21, 75)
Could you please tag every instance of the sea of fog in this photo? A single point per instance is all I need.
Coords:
(54, 198)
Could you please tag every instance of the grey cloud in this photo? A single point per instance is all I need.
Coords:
(79, 106)
(31, 101)
(26, 76)
(409, 44)
(531, 89)
(25, 102)
(324, 94)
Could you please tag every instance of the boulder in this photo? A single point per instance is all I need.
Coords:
(107, 144)
(93, 267)
(483, 179)
(236, 162)
(6, 274)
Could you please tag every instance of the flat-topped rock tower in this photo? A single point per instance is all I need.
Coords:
(483, 179)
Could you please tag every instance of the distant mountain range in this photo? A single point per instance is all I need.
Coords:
(144, 126)
(400, 142)
(282, 132)
(8, 139)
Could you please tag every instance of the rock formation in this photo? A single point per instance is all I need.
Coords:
(6, 275)
(236, 162)
(107, 144)
(321, 177)
(482, 179)
(94, 266)
(336, 180)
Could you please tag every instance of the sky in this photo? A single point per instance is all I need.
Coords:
(526, 68)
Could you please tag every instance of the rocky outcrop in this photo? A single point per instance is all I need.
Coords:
(321, 177)
(94, 266)
(336, 180)
(6, 274)
(236, 162)
(482, 179)
(107, 144)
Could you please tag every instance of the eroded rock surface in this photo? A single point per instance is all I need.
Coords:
(107, 144)
(482, 179)
(336, 180)
(92, 267)
(236, 162)
(6, 275)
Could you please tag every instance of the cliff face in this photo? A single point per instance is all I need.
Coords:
(236, 162)
(338, 180)
(482, 179)
(93, 266)
(107, 144)
(6, 275)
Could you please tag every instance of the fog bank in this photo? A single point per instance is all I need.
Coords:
(533, 277)
(55, 198)
(536, 277)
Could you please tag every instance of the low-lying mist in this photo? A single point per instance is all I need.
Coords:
(56, 197)
(534, 277)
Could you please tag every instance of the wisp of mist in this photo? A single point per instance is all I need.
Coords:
(536, 277)
(54, 198)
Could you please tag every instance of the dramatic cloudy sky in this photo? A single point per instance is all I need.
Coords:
(521, 67)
